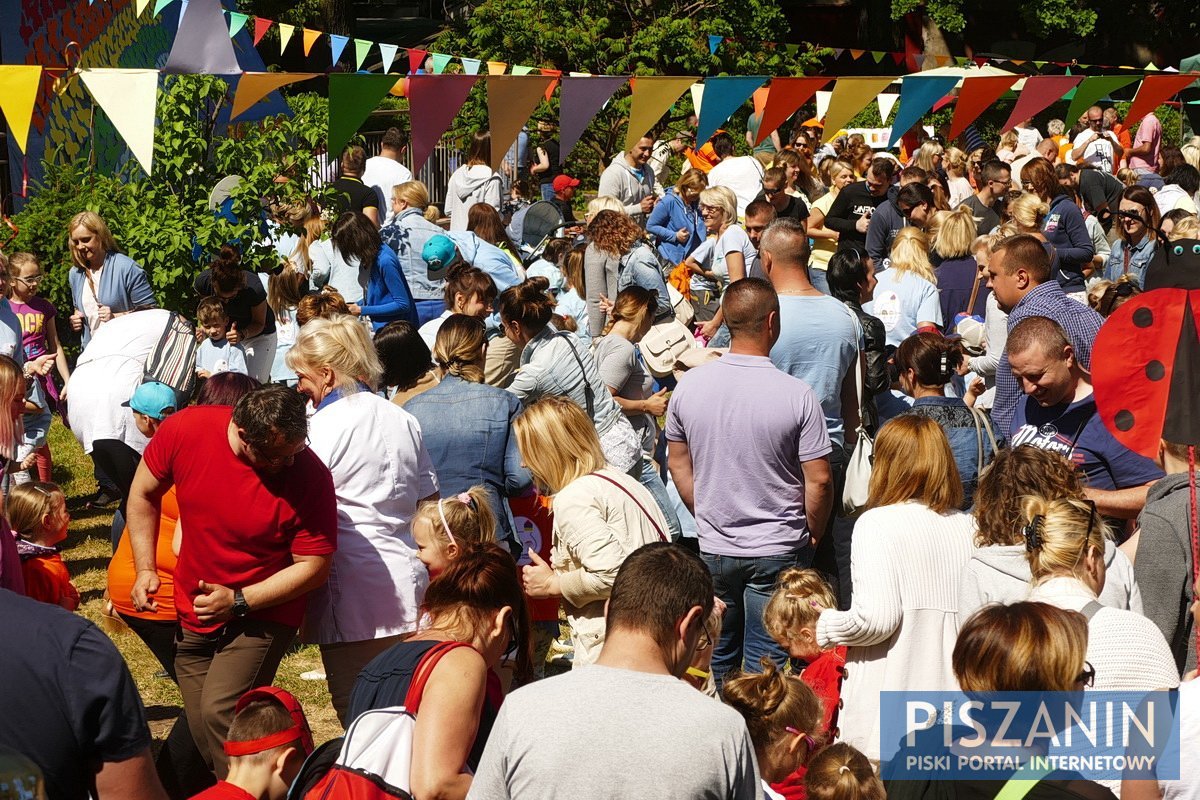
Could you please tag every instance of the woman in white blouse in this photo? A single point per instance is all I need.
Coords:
(381, 472)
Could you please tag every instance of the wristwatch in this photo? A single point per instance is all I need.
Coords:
(240, 607)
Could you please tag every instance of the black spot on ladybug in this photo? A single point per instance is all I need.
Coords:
(1155, 370)
(1124, 420)
(1143, 317)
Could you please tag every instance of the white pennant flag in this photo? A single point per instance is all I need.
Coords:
(823, 103)
(886, 101)
(697, 100)
(388, 51)
(129, 97)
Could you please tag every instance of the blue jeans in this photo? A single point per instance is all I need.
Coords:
(653, 481)
(745, 585)
(819, 278)
(429, 309)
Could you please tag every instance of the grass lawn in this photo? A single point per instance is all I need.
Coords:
(87, 551)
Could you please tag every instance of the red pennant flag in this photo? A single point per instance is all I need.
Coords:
(1153, 91)
(415, 59)
(975, 97)
(898, 58)
(557, 73)
(261, 26)
(785, 96)
(1039, 92)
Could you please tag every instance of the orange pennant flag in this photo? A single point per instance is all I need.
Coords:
(254, 86)
(857, 54)
(310, 38)
(497, 67)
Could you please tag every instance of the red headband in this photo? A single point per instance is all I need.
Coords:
(298, 732)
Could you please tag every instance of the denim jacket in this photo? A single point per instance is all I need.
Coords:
(467, 430)
(952, 414)
(640, 267)
(548, 368)
(1139, 258)
(407, 235)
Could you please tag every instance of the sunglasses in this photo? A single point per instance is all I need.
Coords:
(1088, 676)
(809, 742)
(705, 640)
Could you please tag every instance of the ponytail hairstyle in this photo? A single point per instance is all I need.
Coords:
(771, 702)
(403, 354)
(528, 304)
(285, 290)
(800, 597)
(12, 392)
(840, 772)
(27, 505)
(572, 269)
(226, 268)
(463, 519)
(458, 347)
(470, 282)
(931, 356)
(633, 304)
(323, 304)
(1059, 534)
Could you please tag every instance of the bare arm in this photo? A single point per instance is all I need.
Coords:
(142, 511)
(818, 496)
(1120, 503)
(60, 358)
(447, 725)
(542, 164)
(816, 225)
(736, 262)
(132, 779)
(215, 602)
(679, 462)
(1078, 152)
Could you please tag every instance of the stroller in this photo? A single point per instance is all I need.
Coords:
(533, 226)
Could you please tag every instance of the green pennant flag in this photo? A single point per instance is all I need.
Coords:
(440, 61)
(352, 98)
(361, 48)
(1092, 89)
(517, 70)
(237, 21)
(878, 55)
(159, 5)
(1039, 64)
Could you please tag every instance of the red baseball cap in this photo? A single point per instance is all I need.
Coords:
(563, 182)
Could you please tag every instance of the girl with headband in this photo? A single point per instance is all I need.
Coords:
(442, 528)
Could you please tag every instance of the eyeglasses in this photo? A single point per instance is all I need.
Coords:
(1087, 537)
(273, 460)
(1088, 676)
(809, 742)
(705, 640)
(32, 280)
(770, 192)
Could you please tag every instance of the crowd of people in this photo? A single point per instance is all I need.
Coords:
(736, 455)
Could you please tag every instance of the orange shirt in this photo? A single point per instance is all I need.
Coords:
(121, 572)
(47, 580)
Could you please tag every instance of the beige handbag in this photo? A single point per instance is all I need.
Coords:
(664, 344)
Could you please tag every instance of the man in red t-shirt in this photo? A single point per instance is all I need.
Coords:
(259, 522)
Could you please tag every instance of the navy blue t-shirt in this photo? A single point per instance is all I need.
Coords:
(69, 703)
(1075, 431)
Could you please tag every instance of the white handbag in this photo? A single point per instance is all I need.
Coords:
(858, 469)
(663, 344)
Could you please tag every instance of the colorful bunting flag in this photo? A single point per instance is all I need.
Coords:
(433, 103)
(129, 97)
(1155, 90)
(497, 67)
(202, 45)
(285, 36)
(556, 73)
(159, 5)
(1092, 89)
(822, 99)
(1037, 95)
(917, 96)
(851, 95)
(580, 99)
(141, 6)
(416, 59)
(261, 26)
(362, 48)
(886, 102)
(856, 55)
(878, 55)
(471, 66)
(652, 96)
(254, 86)
(786, 95)
(310, 38)
(337, 45)
(388, 52)
(759, 99)
(713, 43)
(511, 100)
(440, 62)
(697, 92)
(521, 70)
(976, 96)
(722, 96)
(18, 93)
(352, 98)
(237, 21)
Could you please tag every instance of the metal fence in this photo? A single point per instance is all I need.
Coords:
(436, 172)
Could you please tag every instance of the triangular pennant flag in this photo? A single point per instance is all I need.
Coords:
(159, 5)
(899, 59)
(521, 70)
(851, 95)
(822, 103)
(1155, 90)
(856, 54)
(652, 96)
(511, 100)
(578, 101)
(1152, 68)
(1037, 95)
(759, 98)
(786, 95)
(129, 97)
(337, 44)
(141, 6)
(310, 38)
(399, 88)
(556, 73)
(878, 55)
(471, 66)
(18, 93)
(202, 45)
(1018, 61)
(697, 91)
(254, 86)
(917, 96)
(886, 102)
(497, 67)
(713, 43)
(362, 48)
(416, 59)
(433, 102)
(1092, 89)
(388, 53)
(1039, 64)
(261, 26)
(723, 96)
(285, 35)
(352, 98)
(975, 97)
(237, 21)
(837, 52)
(440, 62)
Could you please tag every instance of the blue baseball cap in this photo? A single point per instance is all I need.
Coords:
(439, 253)
(155, 400)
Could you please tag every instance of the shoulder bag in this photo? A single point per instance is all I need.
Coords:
(588, 395)
(664, 344)
(657, 529)
(858, 468)
(982, 426)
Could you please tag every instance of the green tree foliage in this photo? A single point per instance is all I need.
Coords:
(1041, 18)
(159, 220)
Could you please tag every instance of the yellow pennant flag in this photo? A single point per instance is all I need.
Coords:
(310, 38)
(652, 96)
(850, 96)
(254, 86)
(497, 67)
(285, 35)
(141, 6)
(18, 93)
(129, 97)
(511, 99)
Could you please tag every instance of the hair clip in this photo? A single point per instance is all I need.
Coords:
(843, 769)
(1033, 539)
(466, 499)
(942, 361)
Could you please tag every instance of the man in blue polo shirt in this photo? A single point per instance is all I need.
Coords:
(1059, 414)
